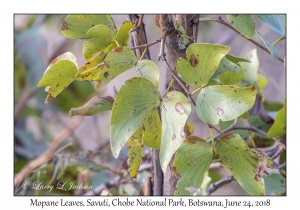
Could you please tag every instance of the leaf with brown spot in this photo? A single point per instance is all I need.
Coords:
(275, 184)
(175, 108)
(202, 61)
(244, 24)
(77, 26)
(62, 70)
(134, 157)
(101, 38)
(192, 160)
(115, 63)
(241, 163)
(144, 101)
(223, 102)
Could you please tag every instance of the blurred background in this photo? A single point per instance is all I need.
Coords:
(38, 41)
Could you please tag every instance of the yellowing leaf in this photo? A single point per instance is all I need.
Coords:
(278, 129)
(202, 62)
(122, 36)
(130, 109)
(61, 72)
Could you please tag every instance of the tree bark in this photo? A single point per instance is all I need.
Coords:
(174, 52)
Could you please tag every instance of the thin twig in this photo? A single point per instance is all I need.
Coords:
(220, 20)
(214, 186)
(146, 45)
(231, 128)
(33, 164)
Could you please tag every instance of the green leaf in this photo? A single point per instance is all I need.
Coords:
(261, 83)
(191, 162)
(202, 62)
(244, 24)
(77, 26)
(95, 105)
(225, 102)
(61, 72)
(101, 37)
(251, 69)
(269, 45)
(236, 157)
(230, 78)
(148, 70)
(235, 60)
(227, 66)
(134, 157)
(152, 131)
(31, 47)
(122, 36)
(175, 109)
(116, 62)
(278, 129)
(130, 109)
(275, 22)
(275, 184)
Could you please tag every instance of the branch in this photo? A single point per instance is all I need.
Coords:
(231, 128)
(220, 20)
(214, 186)
(33, 164)
(146, 45)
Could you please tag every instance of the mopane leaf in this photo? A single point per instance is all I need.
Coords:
(175, 109)
(134, 157)
(101, 37)
(148, 70)
(275, 22)
(77, 26)
(191, 162)
(269, 45)
(225, 102)
(61, 72)
(116, 62)
(152, 131)
(130, 109)
(243, 23)
(202, 61)
(275, 184)
(278, 129)
(122, 36)
(95, 105)
(240, 161)
(251, 69)
(226, 66)
(230, 78)
(235, 60)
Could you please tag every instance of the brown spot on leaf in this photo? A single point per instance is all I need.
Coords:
(64, 25)
(179, 108)
(118, 49)
(57, 85)
(235, 91)
(129, 129)
(220, 111)
(106, 74)
(195, 159)
(231, 86)
(193, 60)
(235, 15)
(227, 135)
(253, 88)
(281, 181)
(174, 136)
(232, 22)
